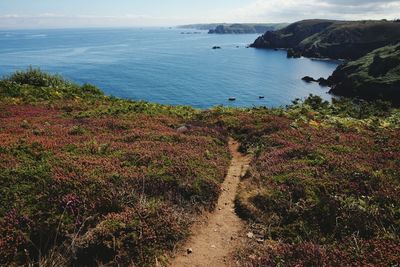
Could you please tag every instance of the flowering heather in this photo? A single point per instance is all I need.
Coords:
(89, 180)
(73, 182)
(320, 195)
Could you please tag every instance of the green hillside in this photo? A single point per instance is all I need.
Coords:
(375, 75)
(332, 39)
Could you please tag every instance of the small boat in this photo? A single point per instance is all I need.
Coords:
(261, 97)
(232, 98)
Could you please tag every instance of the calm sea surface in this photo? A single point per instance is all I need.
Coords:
(165, 66)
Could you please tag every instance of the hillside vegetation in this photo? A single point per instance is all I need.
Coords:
(90, 180)
(323, 186)
(87, 179)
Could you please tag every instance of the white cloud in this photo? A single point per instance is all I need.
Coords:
(292, 10)
(256, 11)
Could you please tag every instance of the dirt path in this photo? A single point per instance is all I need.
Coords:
(215, 238)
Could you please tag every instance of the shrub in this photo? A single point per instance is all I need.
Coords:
(36, 77)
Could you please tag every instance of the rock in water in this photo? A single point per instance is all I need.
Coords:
(291, 53)
(308, 79)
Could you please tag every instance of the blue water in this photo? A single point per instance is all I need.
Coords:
(165, 66)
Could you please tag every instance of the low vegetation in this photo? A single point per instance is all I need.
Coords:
(323, 187)
(87, 179)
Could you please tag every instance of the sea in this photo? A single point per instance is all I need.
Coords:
(167, 65)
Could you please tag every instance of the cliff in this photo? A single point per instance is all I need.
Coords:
(332, 39)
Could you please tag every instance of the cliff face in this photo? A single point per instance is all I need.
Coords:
(332, 39)
(292, 35)
(375, 75)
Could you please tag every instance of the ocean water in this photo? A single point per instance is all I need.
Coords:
(162, 65)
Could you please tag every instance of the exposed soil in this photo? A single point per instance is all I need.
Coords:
(217, 235)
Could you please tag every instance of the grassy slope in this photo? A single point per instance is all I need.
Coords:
(323, 186)
(109, 180)
(351, 40)
(91, 179)
(375, 74)
(292, 35)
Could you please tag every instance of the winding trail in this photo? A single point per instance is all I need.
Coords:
(215, 238)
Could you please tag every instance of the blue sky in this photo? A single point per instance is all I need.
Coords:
(83, 13)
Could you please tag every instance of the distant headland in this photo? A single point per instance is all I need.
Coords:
(236, 28)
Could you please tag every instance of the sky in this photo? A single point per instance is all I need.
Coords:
(129, 13)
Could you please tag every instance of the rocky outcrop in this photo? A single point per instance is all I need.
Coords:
(308, 79)
(375, 75)
(321, 81)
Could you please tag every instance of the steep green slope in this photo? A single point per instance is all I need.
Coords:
(350, 40)
(332, 39)
(376, 75)
(292, 35)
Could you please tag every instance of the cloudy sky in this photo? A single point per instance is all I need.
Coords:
(101, 13)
